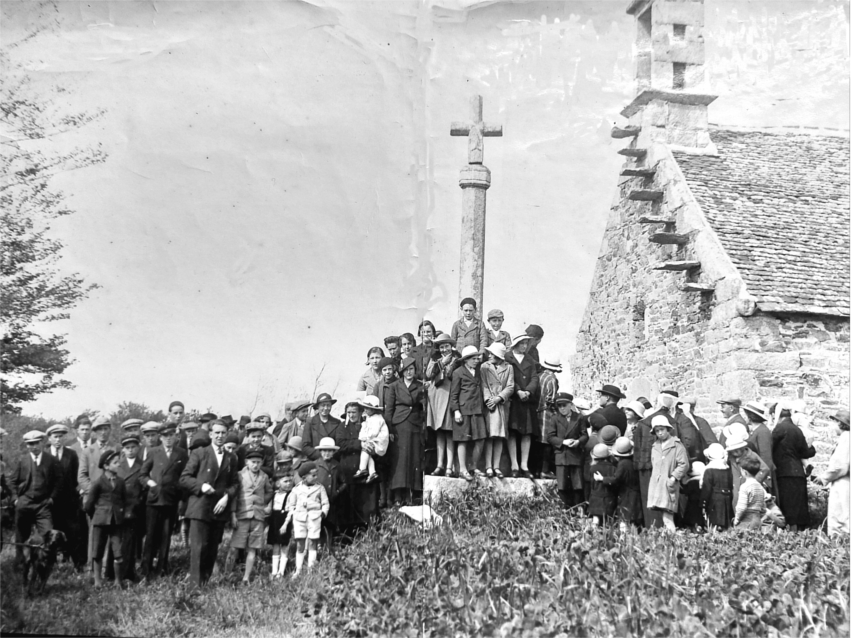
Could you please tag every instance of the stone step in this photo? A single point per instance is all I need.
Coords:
(621, 132)
(643, 195)
(677, 265)
(669, 239)
(647, 219)
(696, 287)
(438, 487)
(638, 172)
(637, 153)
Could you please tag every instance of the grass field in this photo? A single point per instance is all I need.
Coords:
(494, 568)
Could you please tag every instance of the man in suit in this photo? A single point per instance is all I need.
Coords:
(150, 439)
(735, 426)
(566, 432)
(34, 485)
(66, 508)
(161, 475)
(83, 432)
(211, 479)
(130, 470)
(89, 470)
(283, 432)
(319, 426)
(609, 396)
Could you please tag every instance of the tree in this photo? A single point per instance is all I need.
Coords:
(131, 410)
(33, 293)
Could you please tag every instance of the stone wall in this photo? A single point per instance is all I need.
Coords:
(643, 332)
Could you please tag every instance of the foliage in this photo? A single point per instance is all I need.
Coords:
(33, 292)
(510, 568)
(130, 410)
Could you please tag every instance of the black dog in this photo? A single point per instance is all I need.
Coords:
(39, 559)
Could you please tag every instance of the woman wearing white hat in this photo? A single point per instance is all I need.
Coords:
(438, 380)
(497, 388)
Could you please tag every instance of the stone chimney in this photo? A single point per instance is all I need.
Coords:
(671, 99)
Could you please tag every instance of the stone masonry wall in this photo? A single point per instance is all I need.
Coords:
(642, 332)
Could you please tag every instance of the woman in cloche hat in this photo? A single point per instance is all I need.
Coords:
(438, 380)
(497, 388)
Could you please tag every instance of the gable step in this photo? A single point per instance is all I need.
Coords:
(645, 195)
(638, 172)
(657, 220)
(621, 132)
(637, 153)
(695, 287)
(669, 239)
(677, 265)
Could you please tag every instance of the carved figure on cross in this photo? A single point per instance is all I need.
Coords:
(475, 130)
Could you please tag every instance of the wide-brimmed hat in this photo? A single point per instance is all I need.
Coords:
(637, 407)
(622, 447)
(757, 409)
(370, 401)
(582, 404)
(842, 416)
(735, 443)
(327, 443)
(670, 393)
(715, 452)
(152, 426)
(296, 443)
(497, 349)
(563, 397)
(730, 401)
(609, 434)
(132, 423)
(207, 417)
(469, 351)
(495, 314)
(407, 362)
(300, 404)
(519, 339)
(228, 420)
(612, 391)
(106, 457)
(101, 422)
(324, 398)
(57, 428)
(443, 338)
(552, 363)
(660, 421)
(600, 451)
(34, 436)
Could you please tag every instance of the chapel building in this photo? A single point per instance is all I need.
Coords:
(724, 266)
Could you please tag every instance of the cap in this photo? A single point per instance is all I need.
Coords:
(131, 423)
(495, 314)
(34, 436)
(57, 428)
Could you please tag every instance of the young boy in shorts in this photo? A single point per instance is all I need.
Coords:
(254, 494)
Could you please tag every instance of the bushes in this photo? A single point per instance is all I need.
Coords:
(526, 568)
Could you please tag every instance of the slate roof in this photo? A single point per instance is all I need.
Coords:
(779, 203)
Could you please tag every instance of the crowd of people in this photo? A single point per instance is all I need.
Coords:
(449, 406)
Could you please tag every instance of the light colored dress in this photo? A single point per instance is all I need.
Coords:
(837, 475)
(374, 430)
(438, 376)
(497, 381)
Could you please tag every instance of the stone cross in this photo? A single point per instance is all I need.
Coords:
(474, 181)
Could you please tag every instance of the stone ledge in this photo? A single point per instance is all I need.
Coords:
(436, 487)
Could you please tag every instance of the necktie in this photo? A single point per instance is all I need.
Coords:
(219, 451)
(35, 458)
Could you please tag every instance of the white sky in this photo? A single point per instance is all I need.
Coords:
(281, 188)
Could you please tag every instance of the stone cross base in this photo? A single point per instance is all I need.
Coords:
(437, 487)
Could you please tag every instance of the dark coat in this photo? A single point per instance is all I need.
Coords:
(560, 428)
(404, 403)
(465, 393)
(716, 493)
(106, 504)
(201, 468)
(314, 431)
(69, 467)
(788, 448)
(691, 438)
(267, 465)
(760, 442)
(642, 440)
(20, 481)
(706, 431)
(522, 417)
(615, 416)
(134, 488)
(359, 503)
(625, 481)
(165, 472)
(604, 497)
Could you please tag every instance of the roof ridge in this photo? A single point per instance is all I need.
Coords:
(816, 131)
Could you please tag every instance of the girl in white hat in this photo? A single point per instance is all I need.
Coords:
(374, 437)
(497, 388)
(716, 488)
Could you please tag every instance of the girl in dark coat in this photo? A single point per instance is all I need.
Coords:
(596, 422)
(522, 419)
(467, 407)
(625, 481)
(604, 497)
(716, 489)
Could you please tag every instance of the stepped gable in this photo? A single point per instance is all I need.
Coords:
(779, 203)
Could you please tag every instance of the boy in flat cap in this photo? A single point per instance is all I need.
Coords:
(35, 485)
(253, 496)
(161, 475)
(254, 433)
(130, 471)
(89, 470)
(495, 333)
(106, 504)
(469, 330)
(66, 508)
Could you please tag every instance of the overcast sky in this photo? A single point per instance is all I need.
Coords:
(281, 190)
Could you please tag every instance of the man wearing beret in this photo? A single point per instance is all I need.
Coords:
(66, 508)
(211, 479)
(161, 475)
(34, 485)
